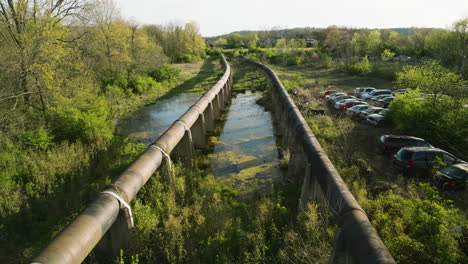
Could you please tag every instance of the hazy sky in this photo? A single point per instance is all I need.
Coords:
(217, 17)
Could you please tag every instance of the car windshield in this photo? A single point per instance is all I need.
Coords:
(455, 172)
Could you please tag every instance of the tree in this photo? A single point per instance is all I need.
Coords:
(234, 41)
(461, 32)
(433, 79)
(29, 26)
(374, 42)
(251, 40)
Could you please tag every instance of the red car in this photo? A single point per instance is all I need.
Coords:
(327, 92)
(351, 104)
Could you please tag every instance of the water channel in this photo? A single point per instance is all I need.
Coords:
(245, 156)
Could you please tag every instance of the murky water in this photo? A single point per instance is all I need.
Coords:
(245, 156)
(148, 123)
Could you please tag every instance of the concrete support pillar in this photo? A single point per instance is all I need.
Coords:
(311, 190)
(340, 254)
(210, 120)
(199, 133)
(221, 98)
(116, 238)
(216, 108)
(185, 150)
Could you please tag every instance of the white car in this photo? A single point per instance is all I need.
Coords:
(369, 96)
(377, 119)
(369, 111)
(331, 96)
(358, 92)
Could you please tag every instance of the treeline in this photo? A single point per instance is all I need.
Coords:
(449, 46)
(68, 68)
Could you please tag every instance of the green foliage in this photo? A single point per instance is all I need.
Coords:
(387, 55)
(294, 60)
(187, 58)
(38, 139)
(165, 73)
(141, 85)
(197, 220)
(82, 120)
(327, 62)
(430, 77)
(361, 67)
(439, 120)
(418, 230)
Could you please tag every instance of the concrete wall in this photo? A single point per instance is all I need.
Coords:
(356, 241)
(107, 220)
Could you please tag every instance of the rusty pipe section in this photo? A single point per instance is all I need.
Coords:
(77, 240)
(358, 234)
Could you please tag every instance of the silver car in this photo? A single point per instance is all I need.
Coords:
(362, 90)
(371, 110)
(355, 110)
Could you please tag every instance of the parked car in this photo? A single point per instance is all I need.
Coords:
(378, 119)
(336, 99)
(392, 143)
(418, 161)
(369, 96)
(354, 111)
(453, 177)
(377, 98)
(347, 105)
(339, 103)
(371, 110)
(360, 90)
(385, 101)
(331, 96)
(365, 90)
(327, 92)
(399, 91)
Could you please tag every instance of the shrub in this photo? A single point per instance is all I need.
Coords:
(86, 120)
(187, 58)
(327, 62)
(165, 73)
(418, 230)
(142, 84)
(294, 60)
(361, 67)
(38, 139)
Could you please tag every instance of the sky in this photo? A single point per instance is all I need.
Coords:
(217, 17)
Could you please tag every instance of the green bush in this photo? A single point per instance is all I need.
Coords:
(141, 84)
(327, 62)
(165, 73)
(187, 58)
(37, 139)
(418, 230)
(86, 120)
(361, 67)
(294, 60)
(438, 121)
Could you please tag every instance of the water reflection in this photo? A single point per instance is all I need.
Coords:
(148, 123)
(245, 155)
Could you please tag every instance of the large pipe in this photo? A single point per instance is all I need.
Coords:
(358, 234)
(76, 241)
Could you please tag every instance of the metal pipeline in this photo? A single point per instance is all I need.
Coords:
(359, 236)
(78, 239)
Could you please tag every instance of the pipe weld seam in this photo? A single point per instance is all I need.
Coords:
(165, 154)
(122, 202)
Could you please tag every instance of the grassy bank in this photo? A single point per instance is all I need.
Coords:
(197, 219)
(416, 222)
(45, 181)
